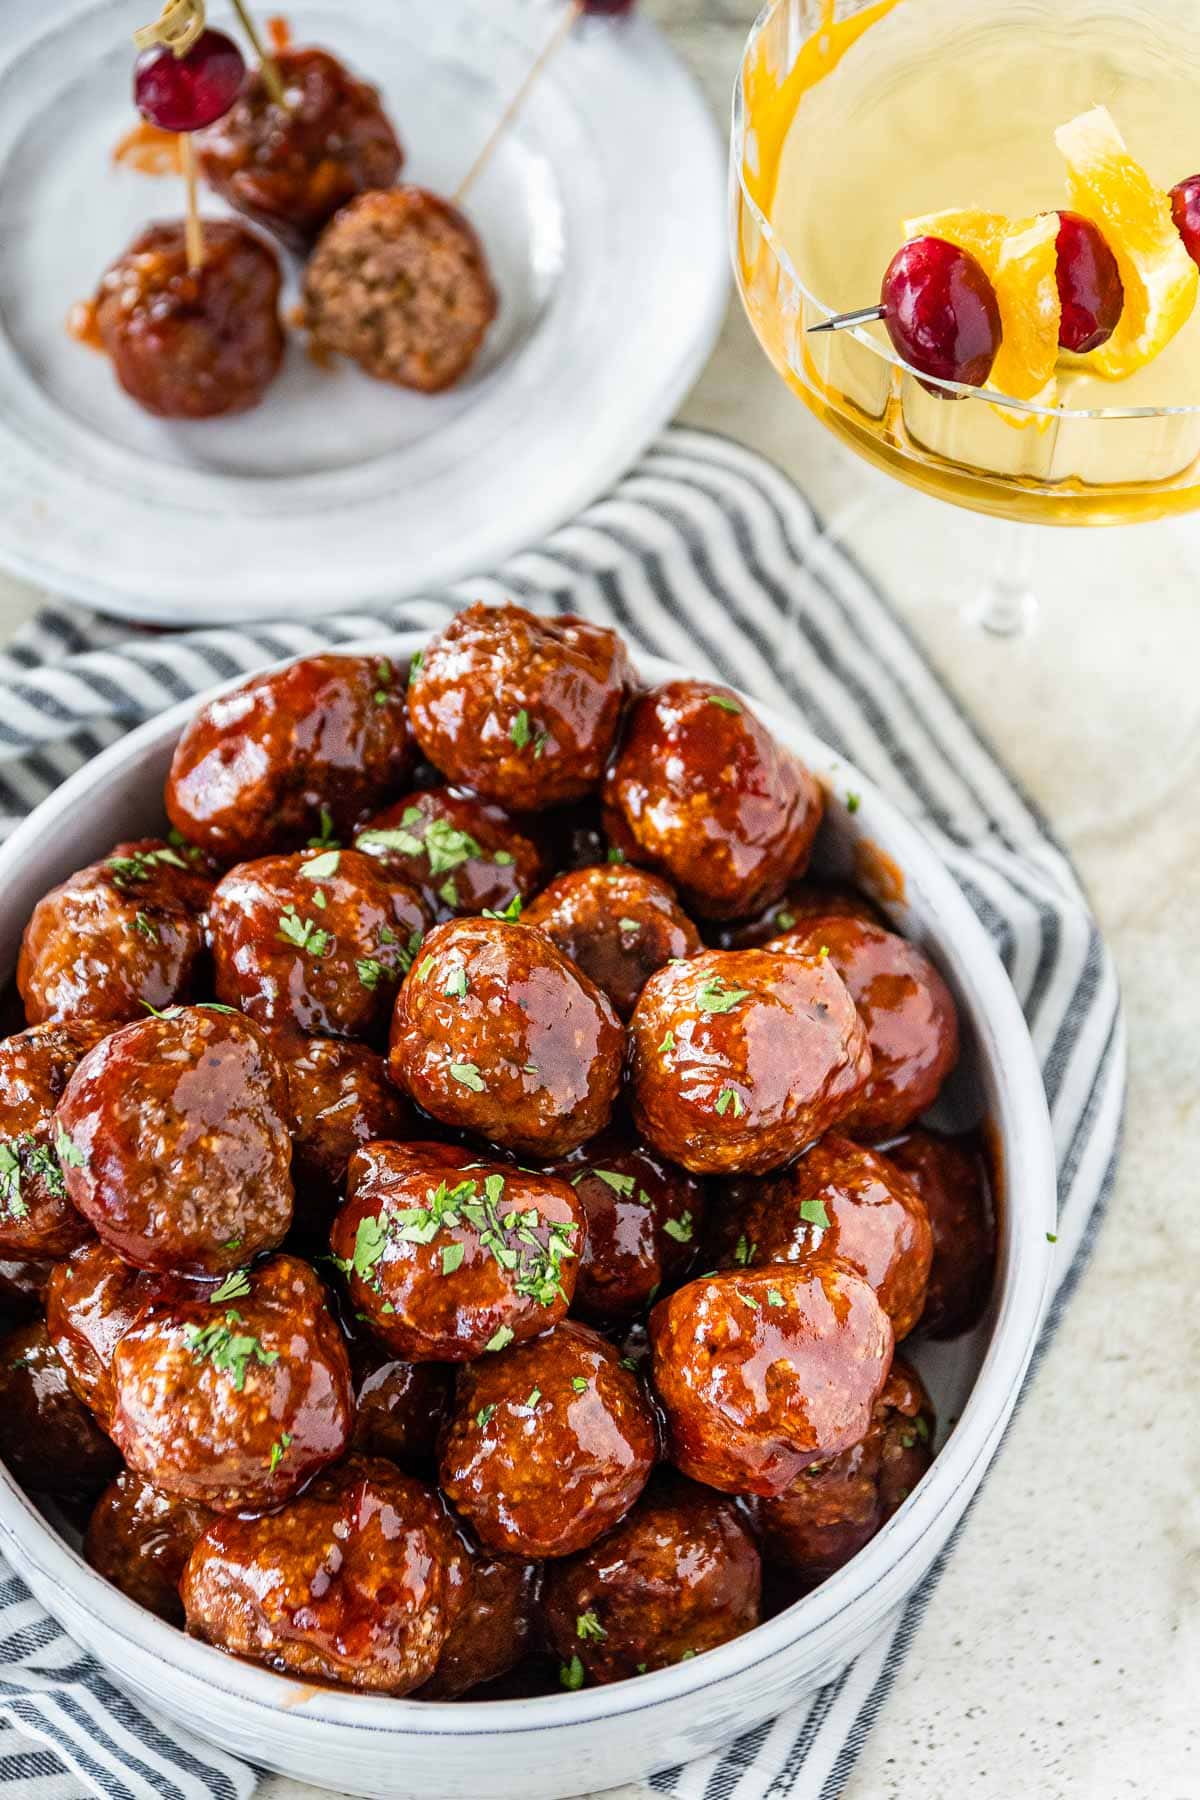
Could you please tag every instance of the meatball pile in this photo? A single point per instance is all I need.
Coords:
(434, 1269)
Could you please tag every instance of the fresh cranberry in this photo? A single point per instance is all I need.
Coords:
(1185, 208)
(1089, 286)
(186, 93)
(941, 312)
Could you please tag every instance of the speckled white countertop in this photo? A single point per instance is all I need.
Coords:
(1060, 1656)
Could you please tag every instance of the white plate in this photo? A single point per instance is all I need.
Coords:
(603, 214)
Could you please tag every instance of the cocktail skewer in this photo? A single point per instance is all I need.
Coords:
(866, 315)
(272, 80)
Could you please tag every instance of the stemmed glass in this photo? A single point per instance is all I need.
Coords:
(1017, 461)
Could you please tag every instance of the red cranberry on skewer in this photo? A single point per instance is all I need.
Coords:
(1185, 209)
(941, 312)
(1089, 285)
(186, 93)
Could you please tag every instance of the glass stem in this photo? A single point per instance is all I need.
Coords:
(1006, 604)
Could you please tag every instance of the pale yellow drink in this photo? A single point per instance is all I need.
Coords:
(942, 104)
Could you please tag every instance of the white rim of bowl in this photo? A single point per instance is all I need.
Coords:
(874, 1581)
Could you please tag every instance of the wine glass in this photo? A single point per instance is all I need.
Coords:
(853, 115)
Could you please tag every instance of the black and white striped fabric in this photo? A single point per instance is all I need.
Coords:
(707, 555)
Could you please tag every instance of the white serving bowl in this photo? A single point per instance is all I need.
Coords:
(569, 1743)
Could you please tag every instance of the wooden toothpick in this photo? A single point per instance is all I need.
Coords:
(557, 38)
(272, 79)
(193, 231)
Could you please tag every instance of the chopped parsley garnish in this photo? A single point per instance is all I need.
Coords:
(725, 704)
(468, 1076)
(680, 1229)
(457, 984)
(629, 925)
(853, 802)
(484, 1416)
(813, 1213)
(615, 855)
(729, 1097)
(774, 1297)
(228, 1350)
(68, 1152)
(452, 1256)
(25, 1156)
(570, 1674)
(324, 840)
(305, 934)
(449, 891)
(499, 1339)
(235, 1286)
(383, 675)
(146, 927)
(749, 1299)
(129, 870)
(370, 1241)
(579, 1383)
(785, 919)
(510, 913)
(716, 996)
(321, 867)
(519, 731)
(278, 1449)
(744, 1251)
(587, 1625)
(667, 1045)
(414, 665)
(447, 847)
(535, 1395)
(10, 1182)
(620, 1184)
(369, 970)
(423, 968)
(540, 742)
(1052, 1237)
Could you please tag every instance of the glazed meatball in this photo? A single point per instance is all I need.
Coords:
(616, 923)
(496, 1032)
(291, 167)
(140, 1540)
(36, 1218)
(738, 1059)
(802, 901)
(524, 710)
(399, 282)
(549, 1444)
(679, 1575)
(302, 752)
(355, 1582)
(701, 791)
(839, 1201)
(495, 1628)
(948, 1173)
(339, 1098)
(48, 1439)
(315, 943)
(910, 1016)
(833, 1508)
(236, 1399)
(399, 1407)
(193, 343)
(762, 1372)
(447, 1256)
(173, 1139)
(92, 1300)
(644, 1221)
(463, 855)
(117, 937)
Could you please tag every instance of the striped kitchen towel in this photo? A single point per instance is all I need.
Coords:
(704, 554)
